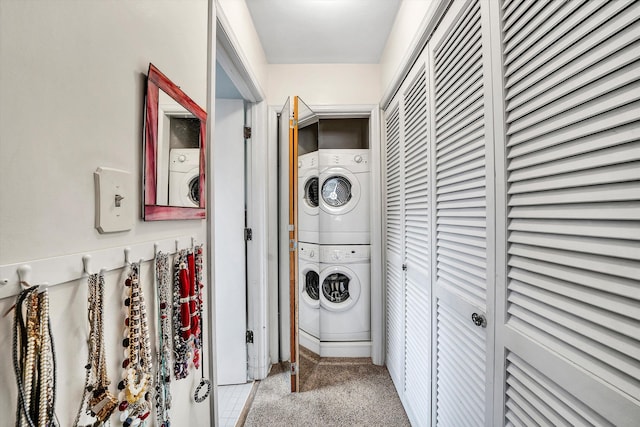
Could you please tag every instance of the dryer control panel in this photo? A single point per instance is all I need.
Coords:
(344, 254)
(308, 251)
(354, 160)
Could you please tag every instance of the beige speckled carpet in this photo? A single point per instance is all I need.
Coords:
(336, 392)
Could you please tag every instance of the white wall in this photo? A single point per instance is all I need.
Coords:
(242, 33)
(402, 38)
(324, 84)
(71, 99)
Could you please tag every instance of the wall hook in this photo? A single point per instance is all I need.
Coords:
(86, 264)
(24, 274)
(177, 245)
(127, 253)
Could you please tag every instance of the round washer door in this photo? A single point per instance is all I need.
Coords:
(309, 285)
(339, 288)
(339, 191)
(187, 190)
(309, 192)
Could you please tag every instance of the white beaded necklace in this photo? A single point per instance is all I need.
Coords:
(99, 401)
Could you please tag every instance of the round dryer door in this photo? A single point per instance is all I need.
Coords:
(310, 287)
(340, 288)
(340, 191)
(194, 190)
(310, 198)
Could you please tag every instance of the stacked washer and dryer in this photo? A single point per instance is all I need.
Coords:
(333, 252)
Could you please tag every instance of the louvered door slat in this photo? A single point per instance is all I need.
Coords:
(600, 92)
(615, 323)
(581, 87)
(545, 392)
(511, 6)
(597, 296)
(417, 252)
(457, 372)
(537, 27)
(573, 212)
(395, 322)
(568, 41)
(593, 148)
(621, 211)
(627, 114)
(605, 103)
(578, 228)
(449, 51)
(535, 11)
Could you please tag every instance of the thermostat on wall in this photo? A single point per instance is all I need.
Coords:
(114, 202)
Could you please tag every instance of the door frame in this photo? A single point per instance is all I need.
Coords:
(279, 320)
(228, 52)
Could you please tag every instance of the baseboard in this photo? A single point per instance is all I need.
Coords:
(345, 349)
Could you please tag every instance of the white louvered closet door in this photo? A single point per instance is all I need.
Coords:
(417, 251)
(571, 329)
(394, 219)
(463, 241)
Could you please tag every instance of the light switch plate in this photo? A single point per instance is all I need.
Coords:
(114, 200)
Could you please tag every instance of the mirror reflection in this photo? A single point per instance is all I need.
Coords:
(174, 152)
(178, 155)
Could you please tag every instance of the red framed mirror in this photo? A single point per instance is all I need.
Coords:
(174, 181)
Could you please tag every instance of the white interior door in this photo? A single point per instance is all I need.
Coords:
(408, 251)
(462, 188)
(394, 219)
(417, 249)
(230, 275)
(571, 300)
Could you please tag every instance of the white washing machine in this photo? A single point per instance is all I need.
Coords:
(184, 177)
(345, 293)
(344, 197)
(308, 198)
(309, 289)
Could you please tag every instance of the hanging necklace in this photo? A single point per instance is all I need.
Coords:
(100, 402)
(181, 316)
(135, 400)
(34, 360)
(197, 331)
(163, 374)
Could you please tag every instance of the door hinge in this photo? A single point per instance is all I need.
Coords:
(293, 245)
(290, 227)
(249, 337)
(294, 368)
(247, 132)
(248, 234)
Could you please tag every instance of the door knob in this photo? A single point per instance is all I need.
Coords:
(479, 320)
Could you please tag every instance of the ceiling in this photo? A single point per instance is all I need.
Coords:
(323, 31)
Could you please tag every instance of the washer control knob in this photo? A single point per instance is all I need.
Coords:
(358, 158)
(312, 253)
(335, 255)
(182, 158)
(299, 164)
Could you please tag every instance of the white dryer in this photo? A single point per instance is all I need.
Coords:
(345, 293)
(184, 177)
(309, 289)
(344, 197)
(308, 198)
